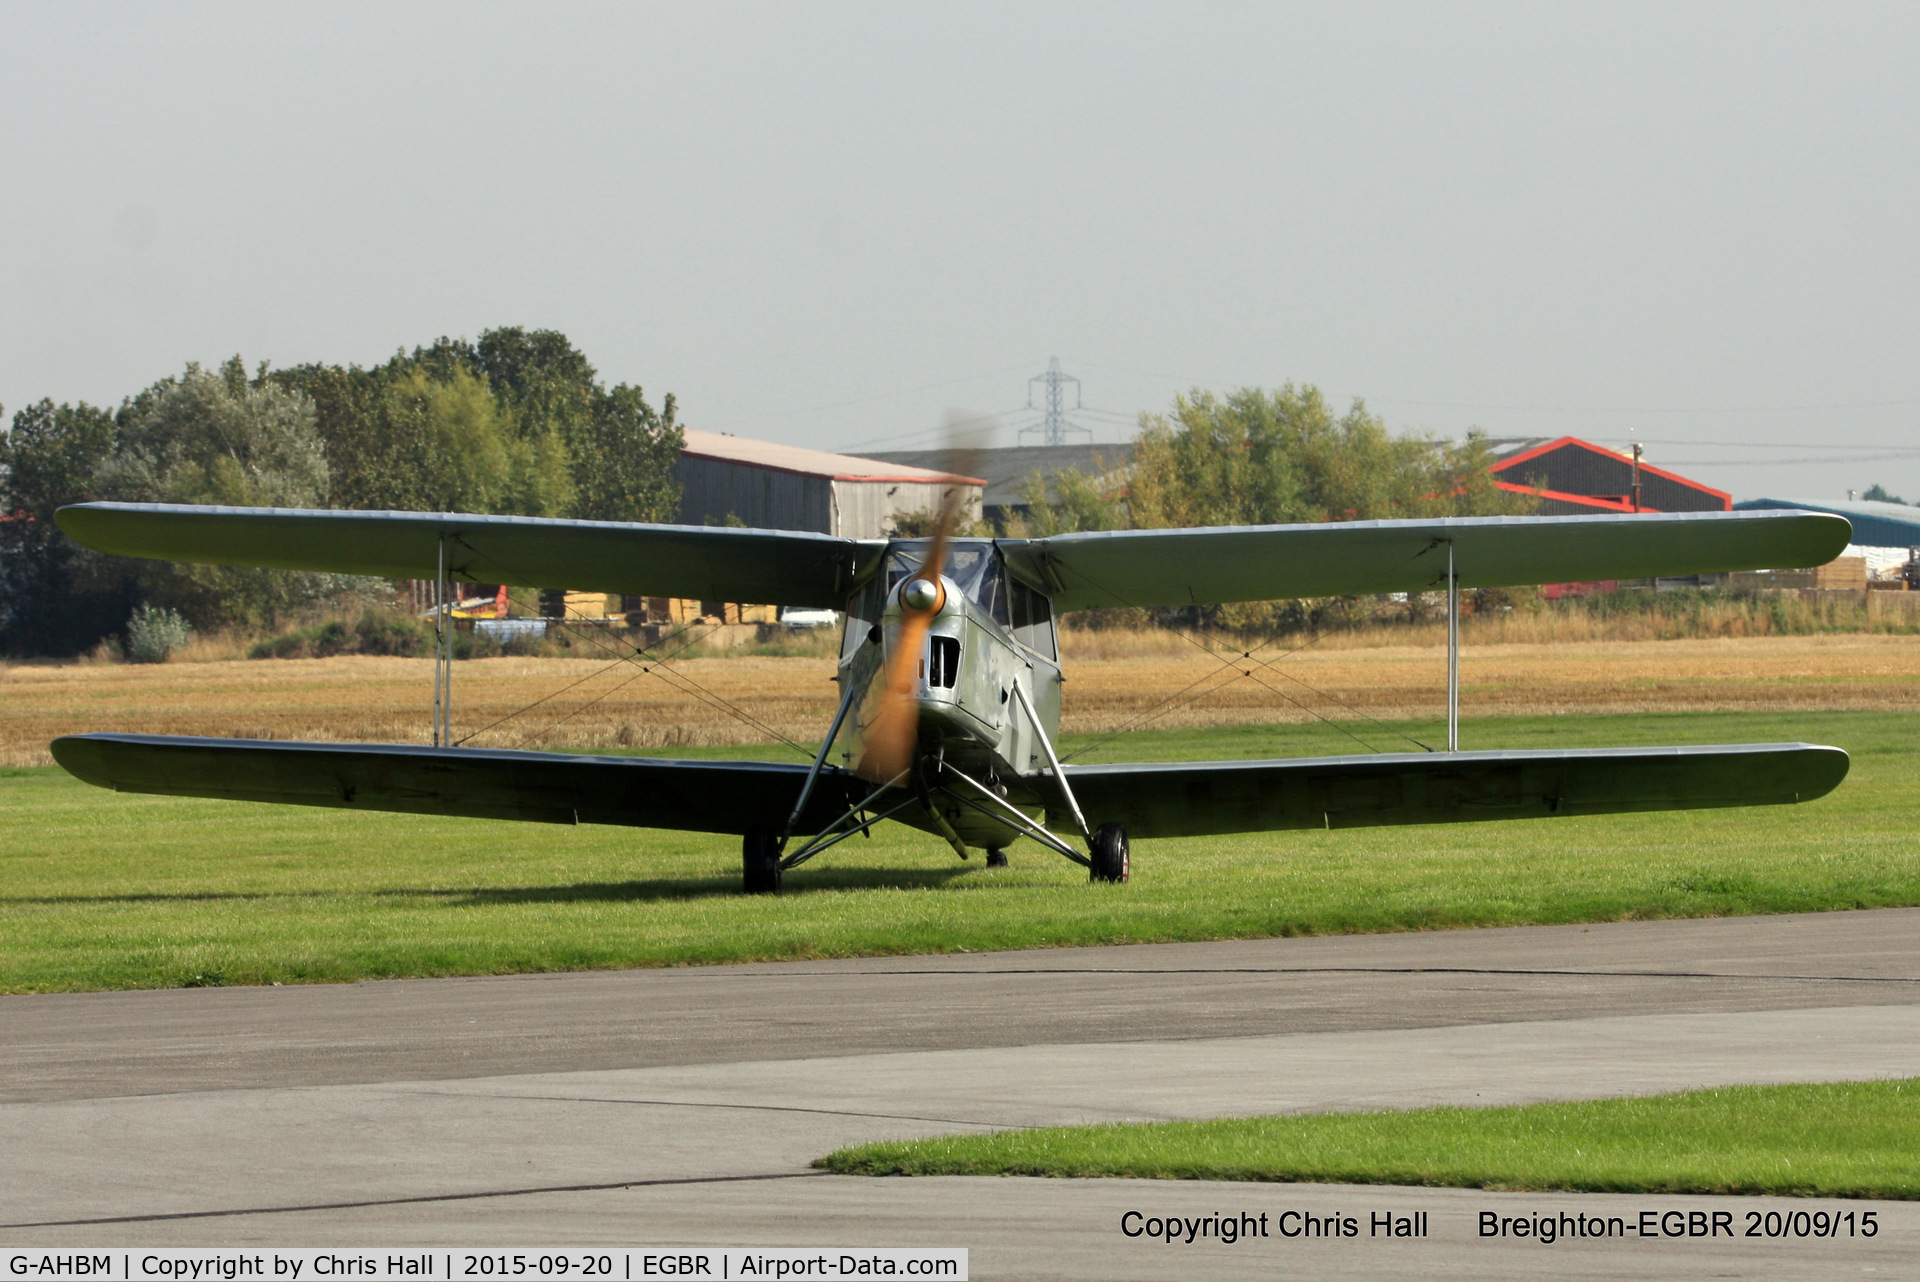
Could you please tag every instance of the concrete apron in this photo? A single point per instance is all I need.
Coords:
(718, 1153)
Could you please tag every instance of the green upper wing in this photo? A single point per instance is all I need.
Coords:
(766, 567)
(1273, 562)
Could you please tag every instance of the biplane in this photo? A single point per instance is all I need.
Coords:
(950, 673)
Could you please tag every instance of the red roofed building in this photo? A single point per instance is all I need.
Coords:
(1572, 476)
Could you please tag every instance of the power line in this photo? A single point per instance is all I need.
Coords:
(1643, 409)
(1540, 409)
(862, 400)
(1907, 457)
(1771, 445)
(934, 431)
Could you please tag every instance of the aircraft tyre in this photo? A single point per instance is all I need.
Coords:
(996, 859)
(1109, 853)
(760, 862)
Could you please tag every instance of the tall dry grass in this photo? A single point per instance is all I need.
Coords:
(1626, 616)
(1113, 679)
(497, 703)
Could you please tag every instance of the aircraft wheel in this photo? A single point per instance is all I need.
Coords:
(996, 859)
(760, 861)
(1109, 852)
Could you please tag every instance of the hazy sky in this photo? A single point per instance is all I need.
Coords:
(830, 224)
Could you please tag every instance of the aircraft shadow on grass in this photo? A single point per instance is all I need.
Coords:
(950, 680)
(719, 887)
(648, 890)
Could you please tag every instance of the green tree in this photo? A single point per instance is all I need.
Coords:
(446, 446)
(49, 456)
(617, 451)
(220, 437)
(54, 597)
(517, 422)
(573, 448)
(1079, 502)
(1257, 457)
(623, 459)
(350, 419)
(208, 437)
(1880, 494)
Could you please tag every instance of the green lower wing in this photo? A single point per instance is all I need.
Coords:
(1195, 799)
(1185, 799)
(542, 787)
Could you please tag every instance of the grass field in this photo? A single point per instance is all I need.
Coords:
(106, 890)
(1849, 1139)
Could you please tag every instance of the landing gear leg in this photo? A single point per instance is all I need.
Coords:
(760, 861)
(996, 859)
(1110, 854)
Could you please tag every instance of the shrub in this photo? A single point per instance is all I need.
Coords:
(395, 634)
(373, 633)
(153, 635)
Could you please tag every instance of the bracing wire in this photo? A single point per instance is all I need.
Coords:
(657, 667)
(546, 698)
(1168, 705)
(653, 665)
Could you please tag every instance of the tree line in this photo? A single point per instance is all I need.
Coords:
(515, 422)
(1273, 457)
(519, 422)
(1259, 456)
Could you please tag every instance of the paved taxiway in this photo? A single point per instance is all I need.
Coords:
(667, 1107)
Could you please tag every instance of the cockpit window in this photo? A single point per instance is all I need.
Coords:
(1033, 620)
(974, 567)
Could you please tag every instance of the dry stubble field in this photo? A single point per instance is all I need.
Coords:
(587, 704)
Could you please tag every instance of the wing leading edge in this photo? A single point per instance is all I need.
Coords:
(1178, 799)
(1198, 799)
(1349, 558)
(475, 783)
(766, 567)
(1107, 568)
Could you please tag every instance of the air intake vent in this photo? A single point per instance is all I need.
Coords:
(943, 667)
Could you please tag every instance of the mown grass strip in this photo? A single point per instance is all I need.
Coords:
(117, 890)
(1843, 1139)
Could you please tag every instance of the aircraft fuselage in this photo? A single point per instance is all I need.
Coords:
(987, 656)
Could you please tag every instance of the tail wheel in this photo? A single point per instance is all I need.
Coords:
(1109, 854)
(760, 861)
(996, 859)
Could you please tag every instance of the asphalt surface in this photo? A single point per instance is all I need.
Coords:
(671, 1107)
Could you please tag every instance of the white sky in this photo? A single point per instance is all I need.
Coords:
(829, 224)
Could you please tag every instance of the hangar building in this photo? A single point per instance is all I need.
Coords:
(1875, 525)
(1007, 469)
(727, 479)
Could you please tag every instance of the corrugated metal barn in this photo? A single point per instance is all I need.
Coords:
(1879, 525)
(1573, 476)
(786, 487)
(1006, 470)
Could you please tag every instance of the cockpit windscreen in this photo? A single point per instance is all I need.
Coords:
(974, 567)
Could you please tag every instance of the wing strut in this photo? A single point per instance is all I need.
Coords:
(1008, 814)
(1059, 775)
(832, 835)
(1453, 653)
(442, 654)
(820, 759)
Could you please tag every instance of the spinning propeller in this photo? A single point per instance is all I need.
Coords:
(895, 728)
